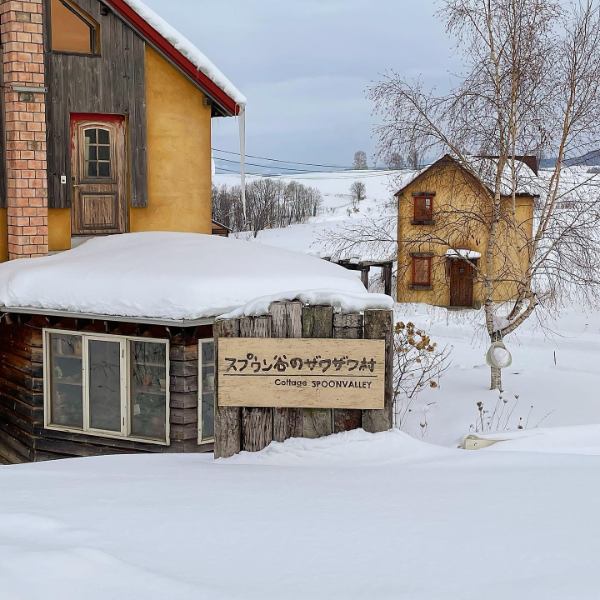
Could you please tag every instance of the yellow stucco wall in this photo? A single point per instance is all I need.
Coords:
(3, 236)
(59, 229)
(460, 220)
(179, 155)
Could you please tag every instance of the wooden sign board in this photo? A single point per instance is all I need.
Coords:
(301, 373)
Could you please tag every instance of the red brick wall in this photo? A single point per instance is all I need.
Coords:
(21, 35)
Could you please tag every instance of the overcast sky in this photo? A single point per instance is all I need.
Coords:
(304, 66)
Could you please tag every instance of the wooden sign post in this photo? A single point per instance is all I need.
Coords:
(301, 373)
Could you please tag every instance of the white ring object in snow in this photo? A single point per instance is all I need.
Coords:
(498, 356)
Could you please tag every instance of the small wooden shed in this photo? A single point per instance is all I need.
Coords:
(113, 347)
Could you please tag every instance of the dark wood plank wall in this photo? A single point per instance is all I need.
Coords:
(113, 83)
(23, 437)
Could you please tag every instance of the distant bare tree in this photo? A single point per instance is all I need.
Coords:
(270, 203)
(262, 199)
(530, 86)
(395, 161)
(360, 160)
(227, 206)
(414, 158)
(359, 192)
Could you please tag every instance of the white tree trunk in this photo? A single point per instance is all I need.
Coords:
(496, 379)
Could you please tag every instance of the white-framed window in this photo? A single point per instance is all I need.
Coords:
(206, 391)
(107, 385)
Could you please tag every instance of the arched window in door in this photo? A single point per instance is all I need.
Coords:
(97, 161)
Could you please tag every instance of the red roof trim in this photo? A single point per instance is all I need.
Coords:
(154, 37)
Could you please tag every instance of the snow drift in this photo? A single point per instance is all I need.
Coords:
(351, 516)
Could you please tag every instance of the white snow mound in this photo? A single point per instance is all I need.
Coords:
(349, 448)
(581, 439)
(175, 276)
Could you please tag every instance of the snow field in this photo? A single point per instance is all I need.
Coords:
(555, 372)
(351, 516)
(556, 361)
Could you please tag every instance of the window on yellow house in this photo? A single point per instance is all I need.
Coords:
(72, 30)
(421, 271)
(423, 208)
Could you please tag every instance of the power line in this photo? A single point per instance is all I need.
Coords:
(237, 162)
(344, 174)
(289, 162)
(322, 176)
(236, 172)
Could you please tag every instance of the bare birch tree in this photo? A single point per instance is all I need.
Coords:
(358, 190)
(530, 85)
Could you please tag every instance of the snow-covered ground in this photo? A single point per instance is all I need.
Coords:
(352, 516)
(555, 373)
(556, 361)
(336, 211)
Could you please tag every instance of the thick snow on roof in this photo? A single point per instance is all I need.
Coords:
(189, 50)
(459, 253)
(175, 276)
(526, 181)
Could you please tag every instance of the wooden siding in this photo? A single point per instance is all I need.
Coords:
(23, 437)
(113, 83)
(252, 429)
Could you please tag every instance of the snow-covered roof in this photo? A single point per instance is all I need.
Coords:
(176, 277)
(182, 45)
(485, 169)
(459, 253)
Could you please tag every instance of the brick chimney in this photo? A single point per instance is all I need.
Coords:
(21, 35)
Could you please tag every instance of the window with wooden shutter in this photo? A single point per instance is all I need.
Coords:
(421, 268)
(423, 208)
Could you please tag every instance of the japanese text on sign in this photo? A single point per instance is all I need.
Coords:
(299, 373)
(317, 364)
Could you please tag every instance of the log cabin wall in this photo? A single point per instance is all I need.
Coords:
(23, 437)
(113, 82)
(252, 429)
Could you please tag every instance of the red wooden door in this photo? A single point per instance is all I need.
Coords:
(461, 283)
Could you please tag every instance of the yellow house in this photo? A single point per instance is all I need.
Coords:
(444, 218)
(107, 114)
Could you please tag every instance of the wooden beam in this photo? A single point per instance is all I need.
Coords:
(228, 425)
(257, 423)
(286, 323)
(348, 327)
(379, 326)
(317, 322)
(364, 276)
(387, 271)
